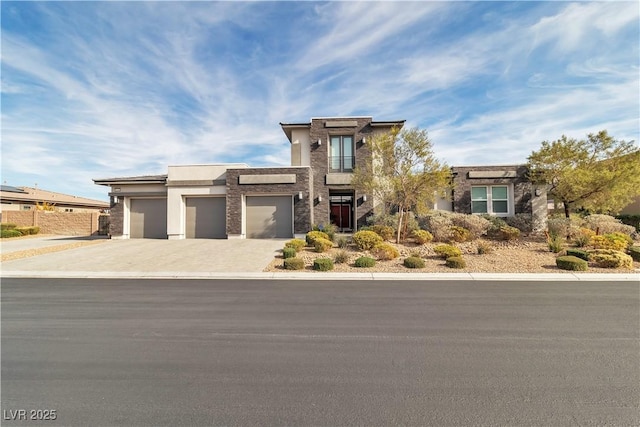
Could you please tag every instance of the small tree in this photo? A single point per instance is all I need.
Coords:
(403, 172)
(600, 173)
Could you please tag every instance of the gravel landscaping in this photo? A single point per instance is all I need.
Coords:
(526, 255)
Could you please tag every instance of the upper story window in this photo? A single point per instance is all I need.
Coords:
(341, 157)
(492, 199)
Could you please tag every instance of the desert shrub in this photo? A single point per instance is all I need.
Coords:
(315, 234)
(391, 220)
(7, 226)
(384, 231)
(583, 237)
(475, 224)
(294, 264)
(28, 231)
(495, 223)
(484, 248)
(327, 228)
(606, 224)
(323, 264)
(609, 258)
(296, 244)
(634, 252)
(413, 262)
(366, 240)
(364, 262)
(438, 224)
(568, 262)
(615, 241)
(385, 251)
(555, 242)
(341, 257)
(288, 253)
(322, 245)
(459, 234)
(422, 236)
(455, 262)
(578, 253)
(508, 232)
(10, 233)
(567, 227)
(342, 242)
(447, 251)
(34, 230)
(521, 221)
(632, 220)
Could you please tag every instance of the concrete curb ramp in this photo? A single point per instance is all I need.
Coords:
(551, 277)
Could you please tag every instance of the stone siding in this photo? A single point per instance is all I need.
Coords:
(302, 215)
(60, 223)
(116, 224)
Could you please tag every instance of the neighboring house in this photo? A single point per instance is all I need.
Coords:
(28, 198)
(238, 201)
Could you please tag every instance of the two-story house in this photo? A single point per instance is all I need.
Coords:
(238, 201)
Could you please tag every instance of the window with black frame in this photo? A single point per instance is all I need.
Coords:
(341, 158)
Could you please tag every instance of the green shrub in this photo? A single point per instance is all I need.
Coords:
(615, 241)
(296, 244)
(10, 233)
(413, 262)
(578, 253)
(634, 252)
(455, 262)
(294, 264)
(422, 236)
(34, 230)
(484, 248)
(508, 232)
(385, 251)
(341, 257)
(583, 237)
(632, 220)
(7, 226)
(459, 234)
(322, 245)
(327, 228)
(555, 242)
(475, 224)
(366, 240)
(447, 251)
(521, 221)
(323, 264)
(364, 262)
(569, 262)
(313, 235)
(288, 253)
(384, 231)
(342, 242)
(609, 258)
(495, 223)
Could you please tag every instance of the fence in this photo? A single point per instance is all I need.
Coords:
(61, 223)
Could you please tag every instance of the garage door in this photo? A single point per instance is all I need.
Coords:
(269, 217)
(206, 218)
(148, 218)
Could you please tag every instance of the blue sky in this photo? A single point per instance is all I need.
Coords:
(106, 89)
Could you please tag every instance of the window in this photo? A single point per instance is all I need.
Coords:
(490, 199)
(341, 153)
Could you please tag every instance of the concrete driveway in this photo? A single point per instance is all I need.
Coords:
(145, 255)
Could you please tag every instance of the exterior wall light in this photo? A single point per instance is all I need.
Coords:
(319, 141)
(319, 198)
(300, 195)
(364, 198)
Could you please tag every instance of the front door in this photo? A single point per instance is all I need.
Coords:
(341, 211)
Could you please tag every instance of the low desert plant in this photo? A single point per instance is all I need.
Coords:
(384, 231)
(366, 240)
(455, 262)
(7, 226)
(578, 253)
(385, 251)
(341, 257)
(615, 241)
(555, 242)
(322, 245)
(296, 244)
(288, 253)
(634, 252)
(573, 263)
(521, 221)
(413, 262)
(447, 251)
(364, 262)
(508, 232)
(438, 224)
(583, 237)
(609, 258)
(484, 248)
(293, 264)
(422, 236)
(10, 233)
(313, 235)
(459, 234)
(495, 223)
(606, 224)
(342, 242)
(327, 228)
(476, 225)
(323, 264)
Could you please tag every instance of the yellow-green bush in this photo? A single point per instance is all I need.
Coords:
(313, 235)
(413, 262)
(288, 253)
(634, 251)
(364, 262)
(610, 258)
(570, 262)
(455, 262)
(422, 236)
(323, 264)
(385, 251)
(322, 245)
(484, 248)
(508, 232)
(384, 231)
(615, 241)
(447, 251)
(459, 234)
(293, 264)
(296, 244)
(366, 240)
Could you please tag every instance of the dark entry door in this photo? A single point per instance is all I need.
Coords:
(341, 209)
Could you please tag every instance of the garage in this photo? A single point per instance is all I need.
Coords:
(269, 217)
(148, 218)
(206, 218)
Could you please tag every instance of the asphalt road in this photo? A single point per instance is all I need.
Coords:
(224, 352)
